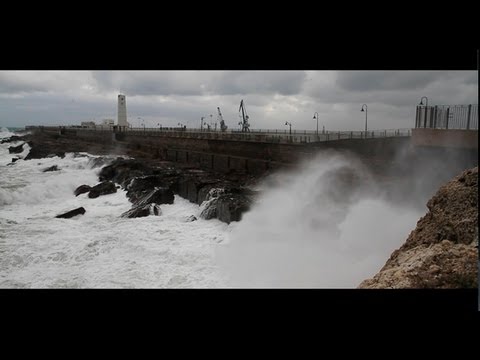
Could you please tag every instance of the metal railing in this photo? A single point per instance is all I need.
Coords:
(254, 135)
(447, 117)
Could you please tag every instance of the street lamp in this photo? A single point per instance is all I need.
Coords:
(287, 123)
(366, 114)
(426, 101)
(315, 116)
(143, 122)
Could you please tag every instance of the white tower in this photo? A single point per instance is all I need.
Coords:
(122, 111)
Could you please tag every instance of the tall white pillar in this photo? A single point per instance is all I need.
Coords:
(122, 111)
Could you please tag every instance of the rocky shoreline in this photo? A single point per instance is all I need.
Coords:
(442, 251)
(149, 182)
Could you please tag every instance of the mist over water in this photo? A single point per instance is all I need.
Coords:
(326, 225)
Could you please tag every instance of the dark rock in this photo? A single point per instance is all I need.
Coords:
(52, 168)
(11, 139)
(157, 196)
(39, 150)
(190, 184)
(15, 159)
(16, 149)
(98, 162)
(104, 188)
(141, 186)
(142, 211)
(227, 204)
(190, 219)
(82, 189)
(122, 171)
(72, 213)
(230, 207)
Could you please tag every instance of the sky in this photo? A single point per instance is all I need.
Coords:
(272, 98)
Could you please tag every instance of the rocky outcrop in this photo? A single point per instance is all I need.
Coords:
(142, 211)
(226, 204)
(11, 139)
(104, 188)
(121, 171)
(442, 251)
(16, 149)
(82, 189)
(51, 168)
(39, 150)
(72, 213)
(141, 186)
(97, 162)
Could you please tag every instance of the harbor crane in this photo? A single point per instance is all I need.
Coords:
(244, 116)
(223, 127)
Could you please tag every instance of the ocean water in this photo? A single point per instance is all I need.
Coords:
(98, 249)
(296, 234)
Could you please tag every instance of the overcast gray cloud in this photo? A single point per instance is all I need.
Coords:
(271, 97)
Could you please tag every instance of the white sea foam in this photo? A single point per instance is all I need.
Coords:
(294, 236)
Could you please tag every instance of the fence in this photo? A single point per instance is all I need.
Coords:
(447, 117)
(255, 135)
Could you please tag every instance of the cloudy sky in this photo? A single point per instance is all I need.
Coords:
(271, 97)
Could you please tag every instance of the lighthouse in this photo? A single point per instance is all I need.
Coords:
(122, 111)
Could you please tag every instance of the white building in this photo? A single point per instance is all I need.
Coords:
(88, 124)
(108, 122)
(122, 111)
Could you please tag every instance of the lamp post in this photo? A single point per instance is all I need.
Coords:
(287, 123)
(426, 106)
(426, 101)
(143, 122)
(366, 115)
(315, 116)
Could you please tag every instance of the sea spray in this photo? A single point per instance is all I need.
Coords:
(324, 225)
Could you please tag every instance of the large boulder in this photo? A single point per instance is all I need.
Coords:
(442, 251)
(141, 186)
(142, 211)
(11, 139)
(95, 162)
(104, 188)
(226, 204)
(40, 149)
(16, 149)
(157, 196)
(72, 213)
(121, 171)
(82, 189)
(51, 168)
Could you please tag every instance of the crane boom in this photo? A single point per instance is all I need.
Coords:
(245, 124)
(223, 127)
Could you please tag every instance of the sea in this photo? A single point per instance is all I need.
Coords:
(279, 243)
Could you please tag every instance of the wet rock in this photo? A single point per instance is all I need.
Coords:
(98, 162)
(227, 204)
(82, 189)
(190, 218)
(104, 188)
(142, 211)
(442, 251)
(72, 213)
(11, 139)
(40, 149)
(16, 149)
(157, 196)
(51, 168)
(141, 186)
(122, 171)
